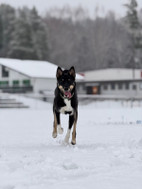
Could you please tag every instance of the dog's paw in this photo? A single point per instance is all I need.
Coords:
(67, 137)
(73, 142)
(66, 140)
(60, 130)
(54, 134)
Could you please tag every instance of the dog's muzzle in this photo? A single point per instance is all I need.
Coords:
(67, 94)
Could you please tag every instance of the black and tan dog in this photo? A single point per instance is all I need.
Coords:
(65, 102)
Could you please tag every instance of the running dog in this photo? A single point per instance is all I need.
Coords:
(65, 102)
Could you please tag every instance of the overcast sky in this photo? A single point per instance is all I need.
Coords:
(104, 5)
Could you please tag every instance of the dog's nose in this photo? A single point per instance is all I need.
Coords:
(66, 88)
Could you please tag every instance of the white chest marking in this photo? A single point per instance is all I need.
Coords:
(67, 108)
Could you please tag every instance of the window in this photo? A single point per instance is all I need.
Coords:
(140, 86)
(126, 86)
(134, 87)
(113, 86)
(4, 83)
(95, 90)
(26, 83)
(5, 72)
(89, 90)
(15, 83)
(105, 87)
(120, 86)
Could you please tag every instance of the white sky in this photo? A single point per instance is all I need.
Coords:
(104, 5)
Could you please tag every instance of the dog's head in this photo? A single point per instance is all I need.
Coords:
(66, 81)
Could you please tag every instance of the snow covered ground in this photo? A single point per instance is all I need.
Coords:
(108, 154)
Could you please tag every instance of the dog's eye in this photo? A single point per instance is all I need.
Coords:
(62, 80)
(69, 79)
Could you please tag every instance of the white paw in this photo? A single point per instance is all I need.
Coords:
(54, 135)
(66, 140)
(60, 130)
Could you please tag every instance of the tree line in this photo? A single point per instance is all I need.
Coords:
(66, 37)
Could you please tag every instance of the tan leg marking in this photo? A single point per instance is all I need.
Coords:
(54, 134)
(74, 134)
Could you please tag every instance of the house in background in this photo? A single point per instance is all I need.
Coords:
(20, 76)
(113, 81)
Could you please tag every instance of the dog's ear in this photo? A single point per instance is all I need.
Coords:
(72, 71)
(59, 72)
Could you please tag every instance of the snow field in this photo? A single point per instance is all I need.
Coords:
(108, 154)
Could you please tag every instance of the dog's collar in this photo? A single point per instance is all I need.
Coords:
(66, 97)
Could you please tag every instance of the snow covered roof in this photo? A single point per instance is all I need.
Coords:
(112, 74)
(32, 68)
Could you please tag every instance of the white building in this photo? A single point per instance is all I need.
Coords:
(113, 81)
(27, 76)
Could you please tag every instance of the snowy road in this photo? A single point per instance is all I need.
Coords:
(108, 154)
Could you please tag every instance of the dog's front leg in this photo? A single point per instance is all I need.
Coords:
(57, 126)
(71, 121)
(54, 134)
(74, 129)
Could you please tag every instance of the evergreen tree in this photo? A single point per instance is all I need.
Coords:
(29, 36)
(21, 44)
(132, 16)
(7, 18)
(39, 35)
(134, 30)
(1, 33)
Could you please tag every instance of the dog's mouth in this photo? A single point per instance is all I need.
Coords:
(67, 94)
